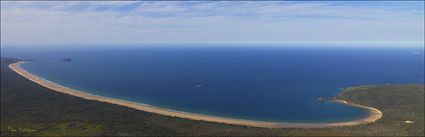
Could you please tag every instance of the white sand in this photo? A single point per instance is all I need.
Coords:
(409, 122)
(375, 114)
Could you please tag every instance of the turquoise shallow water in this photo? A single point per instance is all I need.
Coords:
(259, 83)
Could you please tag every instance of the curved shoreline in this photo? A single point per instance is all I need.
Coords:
(374, 114)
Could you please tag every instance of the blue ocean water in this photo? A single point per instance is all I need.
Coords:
(268, 83)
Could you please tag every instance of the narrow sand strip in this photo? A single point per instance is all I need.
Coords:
(375, 114)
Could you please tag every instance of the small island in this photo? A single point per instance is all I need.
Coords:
(322, 99)
(66, 60)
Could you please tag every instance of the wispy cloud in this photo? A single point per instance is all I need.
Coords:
(224, 21)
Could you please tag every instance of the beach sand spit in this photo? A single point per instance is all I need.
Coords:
(374, 114)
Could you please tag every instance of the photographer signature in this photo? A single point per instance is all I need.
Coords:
(10, 128)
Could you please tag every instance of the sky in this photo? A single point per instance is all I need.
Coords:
(146, 22)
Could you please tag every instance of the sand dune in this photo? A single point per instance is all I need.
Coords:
(375, 114)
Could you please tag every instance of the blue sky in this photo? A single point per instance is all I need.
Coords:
(135, 22)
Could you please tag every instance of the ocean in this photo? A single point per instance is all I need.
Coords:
(269, 83)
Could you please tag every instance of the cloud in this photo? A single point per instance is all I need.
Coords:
(132, 22)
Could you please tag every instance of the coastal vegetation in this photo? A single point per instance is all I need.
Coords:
(30, 109)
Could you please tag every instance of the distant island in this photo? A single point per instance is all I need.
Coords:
(66, 60)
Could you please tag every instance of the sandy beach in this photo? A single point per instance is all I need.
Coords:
(374, 114)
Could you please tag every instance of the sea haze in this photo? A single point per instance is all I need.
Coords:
(268, 83)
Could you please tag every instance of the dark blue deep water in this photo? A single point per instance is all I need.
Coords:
(260, 83)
